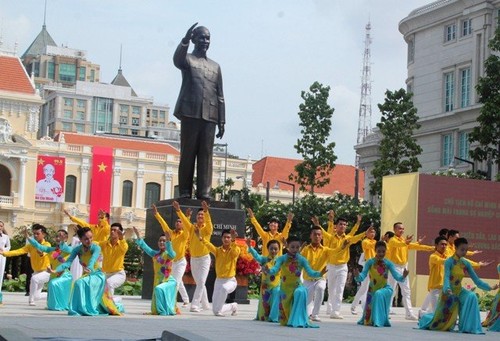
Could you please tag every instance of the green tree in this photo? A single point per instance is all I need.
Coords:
(487, 133)
(318, 157)
(398, 148)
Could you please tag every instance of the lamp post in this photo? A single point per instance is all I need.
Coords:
(467, 161)
(287, 183)
(225, 168)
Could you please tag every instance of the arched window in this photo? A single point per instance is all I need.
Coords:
(70, 189)
(152, 194)
(127, 189)
(4, 181)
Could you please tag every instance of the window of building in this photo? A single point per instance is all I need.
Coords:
(136, 110)
(70, 189)
(152, 193)
(80, 103)
(102, 114)
(463, 146)
(134, 132)
(449, 91)
(80, 128)
(447, 150)
(36, 69)
(67, 73)
(50, 70)
(450, 33)
(162, 114)
(466, 27)
(68, 102)
(124, 108)
(66, 126)
(411, 51)
(82, 73)
(92, 75)
(155, 113)
(123, 119)
(135, 121)
(465, 83)
(123, 131)
(80, 115)
(68, 114)
(127, 189)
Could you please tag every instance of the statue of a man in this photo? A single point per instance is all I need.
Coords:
(200, 108)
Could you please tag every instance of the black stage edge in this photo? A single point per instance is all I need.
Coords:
(224, 215)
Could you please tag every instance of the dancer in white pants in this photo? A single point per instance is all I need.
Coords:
(179, 238)
(226, 257)
(368, 246)
(113, 257)
(397, 248)
(4, 246)
(317, 255)
(200, 258)
(39, 262)
(337, 264)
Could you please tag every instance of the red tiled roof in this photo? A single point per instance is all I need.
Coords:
(13, 76)
(276, 168)
(119, 143)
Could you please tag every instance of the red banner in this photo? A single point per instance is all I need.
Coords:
(50, 179)
(100, 187)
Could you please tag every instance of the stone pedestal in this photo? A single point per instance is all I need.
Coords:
(224, 216)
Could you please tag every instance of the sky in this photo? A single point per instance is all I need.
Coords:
(269, 52)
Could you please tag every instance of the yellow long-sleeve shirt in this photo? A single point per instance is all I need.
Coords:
(267, 236)
(330, 232)
(179, 239)
(197, 248)
(39, 260)
(113, 256)
(398, 250)
(436, 270)
(368, 246)
(335, 242)
(225, 260)
(317, 258)
(450, 251)
(100, 231)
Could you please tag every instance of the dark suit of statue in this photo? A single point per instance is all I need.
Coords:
(200, 108)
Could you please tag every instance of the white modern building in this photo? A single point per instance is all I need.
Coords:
(447, 46)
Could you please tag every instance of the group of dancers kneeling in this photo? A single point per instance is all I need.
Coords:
(292, 284)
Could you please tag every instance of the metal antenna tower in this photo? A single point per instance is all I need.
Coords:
(365, 104)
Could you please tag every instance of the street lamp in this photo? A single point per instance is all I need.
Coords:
(287, 183)
(467, 161)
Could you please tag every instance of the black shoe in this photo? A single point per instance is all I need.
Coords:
(27, 294)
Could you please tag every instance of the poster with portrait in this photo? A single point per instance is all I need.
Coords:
(50, 179)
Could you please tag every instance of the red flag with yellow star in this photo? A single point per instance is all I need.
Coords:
(100, 187)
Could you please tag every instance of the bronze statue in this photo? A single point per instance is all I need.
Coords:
(200, 107)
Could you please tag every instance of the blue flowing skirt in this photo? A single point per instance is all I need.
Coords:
(377, 306)
(59, 292)
(298, 313)
(165, 297)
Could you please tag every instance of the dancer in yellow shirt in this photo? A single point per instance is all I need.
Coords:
(398, 247)
(39, 262)
(179, 238)
(113, 256)
(273, 231)
(200, 257)
(368, 246)
(226, 257)
(450, 249)
(100, 231)
(337, 265)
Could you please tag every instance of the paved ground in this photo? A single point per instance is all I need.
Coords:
(19, 319)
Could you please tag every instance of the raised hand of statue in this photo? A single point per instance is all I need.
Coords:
(155, 210)
(176, 205)
(221, 131)
(250, 213)
(189, 34)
